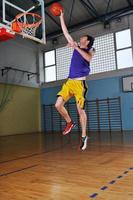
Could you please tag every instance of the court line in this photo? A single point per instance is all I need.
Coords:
(18, 170)
(105, 187)
(32, 155)
(36, 154)
(19, 158)
(22, 169)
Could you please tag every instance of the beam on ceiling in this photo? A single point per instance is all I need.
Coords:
(87, 7)
(72, 7)
(93, 8)
(106, 22)
(130, 3)
(108, 6)
(117, 15)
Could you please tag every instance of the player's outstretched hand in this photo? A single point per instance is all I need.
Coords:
(61, 13)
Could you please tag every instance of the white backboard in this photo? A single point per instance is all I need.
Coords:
(10, 8)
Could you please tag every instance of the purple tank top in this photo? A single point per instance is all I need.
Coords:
(79, 67)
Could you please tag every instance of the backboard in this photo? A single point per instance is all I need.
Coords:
(11, 8)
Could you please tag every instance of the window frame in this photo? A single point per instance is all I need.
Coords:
(124, 48)
(44, 67)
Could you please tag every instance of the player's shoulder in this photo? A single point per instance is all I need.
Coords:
(92, 49)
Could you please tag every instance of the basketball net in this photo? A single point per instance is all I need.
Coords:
(27, 23)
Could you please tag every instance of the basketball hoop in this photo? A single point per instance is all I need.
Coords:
(26, 23)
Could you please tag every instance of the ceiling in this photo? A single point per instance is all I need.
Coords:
(79, 13)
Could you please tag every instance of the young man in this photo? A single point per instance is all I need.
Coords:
(75, 85)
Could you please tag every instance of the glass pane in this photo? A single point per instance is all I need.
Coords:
(104, 58)
(123, 39)
(63, 59)
(50, 74)
(50, 58)
(124, 58)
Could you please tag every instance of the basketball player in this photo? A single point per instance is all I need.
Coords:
(76, 84)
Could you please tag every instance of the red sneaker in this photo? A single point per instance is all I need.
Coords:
(68, 128)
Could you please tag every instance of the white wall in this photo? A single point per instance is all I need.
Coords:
(21, 54)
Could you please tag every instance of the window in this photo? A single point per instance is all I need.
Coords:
(57, 67)
(50, 58)
(124, 49)
(50, 74)
(104, 59)
(50, 66)
(124, 58)
(63, 57)
(123, 39)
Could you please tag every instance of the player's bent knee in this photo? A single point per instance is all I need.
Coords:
(58, 106)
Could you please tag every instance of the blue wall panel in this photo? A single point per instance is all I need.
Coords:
(102, 88)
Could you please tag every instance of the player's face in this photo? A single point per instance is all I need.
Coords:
(84, 41)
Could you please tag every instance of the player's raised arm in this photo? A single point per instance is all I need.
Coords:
(64, 29)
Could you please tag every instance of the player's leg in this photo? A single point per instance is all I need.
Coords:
(80, 95)
(59, 105)
(63, 97)
(83, 123)
(83, 119)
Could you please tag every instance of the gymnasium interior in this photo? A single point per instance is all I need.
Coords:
(36, 161)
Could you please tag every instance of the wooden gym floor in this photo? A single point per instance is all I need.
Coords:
(50, 167)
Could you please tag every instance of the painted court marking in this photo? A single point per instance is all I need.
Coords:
(105, 187)
(32, 155)
(18, 170)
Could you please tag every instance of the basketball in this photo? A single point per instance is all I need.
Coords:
(56, 9)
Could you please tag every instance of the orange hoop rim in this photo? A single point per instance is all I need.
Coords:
(27, 25)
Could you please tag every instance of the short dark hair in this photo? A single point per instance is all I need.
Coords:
(91, 39)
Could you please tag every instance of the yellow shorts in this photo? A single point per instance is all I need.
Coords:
(74, 88)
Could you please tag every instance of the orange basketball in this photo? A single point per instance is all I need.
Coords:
(56, 9)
